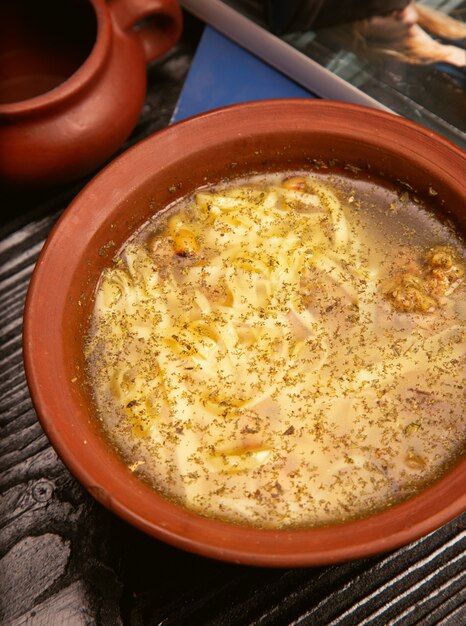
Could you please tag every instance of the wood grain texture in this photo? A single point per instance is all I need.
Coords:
(64, 559)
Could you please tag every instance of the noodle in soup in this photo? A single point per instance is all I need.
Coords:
(285, 350)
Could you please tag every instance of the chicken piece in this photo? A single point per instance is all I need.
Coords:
(295, 183)
(184, 241)
(408, 294)
(445, 269)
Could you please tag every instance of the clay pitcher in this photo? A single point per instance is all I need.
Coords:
(73, 82)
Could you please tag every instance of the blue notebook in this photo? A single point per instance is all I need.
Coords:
(223, 73)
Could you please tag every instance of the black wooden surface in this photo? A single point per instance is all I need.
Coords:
(65, 560)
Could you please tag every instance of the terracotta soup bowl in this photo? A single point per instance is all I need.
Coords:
(237, 140)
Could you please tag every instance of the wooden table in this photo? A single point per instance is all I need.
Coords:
(64, 559)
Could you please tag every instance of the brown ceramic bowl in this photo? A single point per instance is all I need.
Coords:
(234, 140)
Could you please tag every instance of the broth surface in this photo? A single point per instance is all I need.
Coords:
(285, 350)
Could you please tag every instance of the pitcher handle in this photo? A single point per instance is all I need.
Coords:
(156, 24)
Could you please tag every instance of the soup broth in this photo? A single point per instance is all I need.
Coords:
(285, 350)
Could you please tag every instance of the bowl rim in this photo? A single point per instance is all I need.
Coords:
(389, 529)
